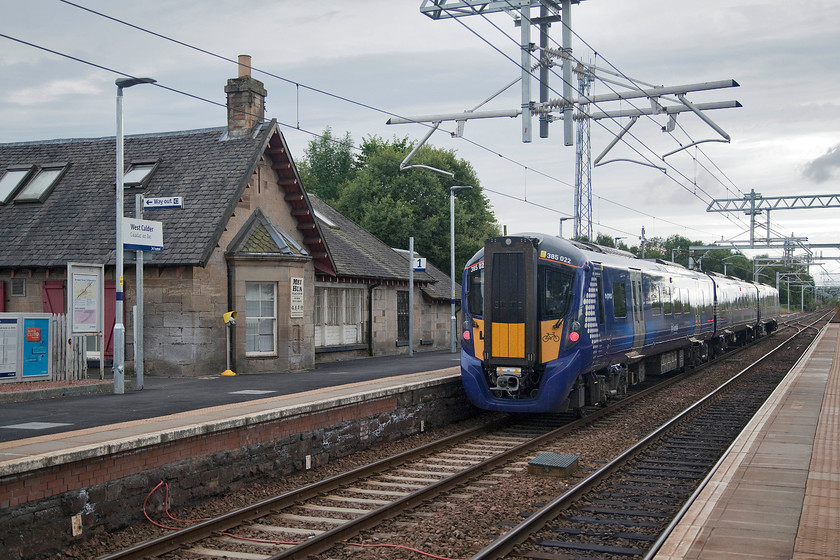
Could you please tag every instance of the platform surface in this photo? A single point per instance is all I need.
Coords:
(777, 493)
(37, 433)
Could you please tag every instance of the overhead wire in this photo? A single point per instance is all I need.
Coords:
(341, 98)
(323, 92)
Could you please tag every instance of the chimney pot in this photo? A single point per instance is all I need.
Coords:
(244, 66)
(245, 100)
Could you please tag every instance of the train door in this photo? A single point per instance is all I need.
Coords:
(696, 296)
(510, 302)
(637, 308)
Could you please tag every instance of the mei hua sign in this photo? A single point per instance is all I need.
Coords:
(296, 310)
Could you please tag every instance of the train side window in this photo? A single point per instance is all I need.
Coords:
(655, 301)
(619, 300)
(666, 300)
(475, 292)
(677, 301)
(600, 301)
(687, 302)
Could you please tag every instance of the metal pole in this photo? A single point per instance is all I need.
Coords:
(452, 267)
(525, 45)
(411, 296)
(544, 74)
(453, 326)
(138, 317)
(566, 17)
(119, 327)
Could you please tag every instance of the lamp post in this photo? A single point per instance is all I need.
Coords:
(453, 326)
(616, 240)
(119, 327)
(561, 223)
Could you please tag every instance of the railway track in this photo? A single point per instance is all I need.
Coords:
(315, 518)
(626, 508)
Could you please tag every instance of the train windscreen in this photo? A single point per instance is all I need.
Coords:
(475, 291)
(555, 291)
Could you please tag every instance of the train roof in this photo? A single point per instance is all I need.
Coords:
(579, 252)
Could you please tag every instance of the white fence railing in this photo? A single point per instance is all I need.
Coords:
(69, 358)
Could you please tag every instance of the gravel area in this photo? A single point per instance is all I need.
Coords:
(455, 527)
(40, 385)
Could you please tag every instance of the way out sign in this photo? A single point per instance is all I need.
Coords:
(142, 235)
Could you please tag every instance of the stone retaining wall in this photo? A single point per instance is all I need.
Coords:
(106, 492)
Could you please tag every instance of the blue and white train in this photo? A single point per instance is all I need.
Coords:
(552, 325)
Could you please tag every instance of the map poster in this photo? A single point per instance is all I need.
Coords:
(86, 298)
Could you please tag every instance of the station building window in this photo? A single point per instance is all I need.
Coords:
(260, 318)
(339, 316)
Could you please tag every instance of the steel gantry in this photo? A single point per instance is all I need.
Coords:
(753, 204)
(574, 103)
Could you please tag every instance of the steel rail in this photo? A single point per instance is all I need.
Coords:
(693, 498)
(324, 541)
(517, 535)
(172, 541)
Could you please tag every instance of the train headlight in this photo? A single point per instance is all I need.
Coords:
(573, 336)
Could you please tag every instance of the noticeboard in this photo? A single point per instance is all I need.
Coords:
(8, 347)
(25, 346)
(87, 298)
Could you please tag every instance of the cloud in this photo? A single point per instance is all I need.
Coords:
(822, 168)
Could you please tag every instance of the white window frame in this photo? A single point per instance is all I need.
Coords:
(339, 316)
(255, 323)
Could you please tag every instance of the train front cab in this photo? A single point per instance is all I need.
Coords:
(520, 346)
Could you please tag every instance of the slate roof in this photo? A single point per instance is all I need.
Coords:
(76, 222)
(207, 168)
(439, 290)
(356, 252)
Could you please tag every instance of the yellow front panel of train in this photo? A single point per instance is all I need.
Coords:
(478, 337)
(508, 340)
(550, 339)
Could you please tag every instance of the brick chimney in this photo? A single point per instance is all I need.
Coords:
(245, 100)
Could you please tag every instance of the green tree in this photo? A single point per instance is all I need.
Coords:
(395, 205)
(327, 164)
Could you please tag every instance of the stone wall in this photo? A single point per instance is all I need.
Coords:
(107, 491)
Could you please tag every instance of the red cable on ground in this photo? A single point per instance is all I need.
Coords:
(401, 547)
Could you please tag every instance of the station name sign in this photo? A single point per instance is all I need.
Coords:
(142, 235)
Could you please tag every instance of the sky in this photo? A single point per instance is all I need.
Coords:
(351, 66)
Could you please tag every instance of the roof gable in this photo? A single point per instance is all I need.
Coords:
(260, 236)
(289, 180)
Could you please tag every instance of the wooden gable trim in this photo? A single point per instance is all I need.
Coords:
(301, 210)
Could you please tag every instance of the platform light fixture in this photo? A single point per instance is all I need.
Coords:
(119, 327)
(452, 191)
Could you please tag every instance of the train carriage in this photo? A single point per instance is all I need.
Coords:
(552, 324)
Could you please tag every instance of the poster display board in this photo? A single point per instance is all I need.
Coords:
(25, 347)
(8, 347)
